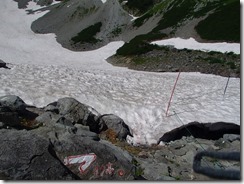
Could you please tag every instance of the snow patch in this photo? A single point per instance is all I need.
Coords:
(191, 43)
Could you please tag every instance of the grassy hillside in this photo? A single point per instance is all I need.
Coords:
(224, 24)
(139, 45)
(139, 7)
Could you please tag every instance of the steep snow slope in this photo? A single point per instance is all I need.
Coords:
(42, 71)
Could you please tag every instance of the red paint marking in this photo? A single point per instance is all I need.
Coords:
(109, 169)
(84, 160)
(121, 172)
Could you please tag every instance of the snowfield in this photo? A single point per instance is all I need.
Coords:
(191, 43)
(42, 72)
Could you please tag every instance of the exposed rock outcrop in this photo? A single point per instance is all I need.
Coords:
(13, 112)
(3, 64)
(58, 142)
(69, 18)
(63, 146)
(117, 124)
(210, 131)
(22, 4)
(174, 160)
(27, 156)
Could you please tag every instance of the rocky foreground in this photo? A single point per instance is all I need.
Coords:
(68, 140)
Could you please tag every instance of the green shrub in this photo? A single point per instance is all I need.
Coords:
(139, 171)
(139, 60)
(213, 52)
(181, 9)
(87, 34)
(135, 48)
(116, 31)
(232, 65)
(213, 60)
(139, 44)
(224, 24)
(141, 5)
(139, 21)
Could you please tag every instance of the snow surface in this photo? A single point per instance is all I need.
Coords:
(42, 72)
(191, 43)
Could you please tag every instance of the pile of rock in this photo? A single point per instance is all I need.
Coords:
(59, 142)
(65, 141)
(174, 160)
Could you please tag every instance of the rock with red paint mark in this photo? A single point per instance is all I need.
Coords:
(27, 156)
(64, 141)
(93, 160)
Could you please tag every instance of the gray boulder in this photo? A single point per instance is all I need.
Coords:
(61, 153)
(98, 161)
(210, 131)
(27, 156)
(3, 64)
(50, 119)
(231, 137)
(14, 103)
(64, 147)
(81, 152)
(116, 124)
(75, 112)
(13, 112)
(10, 119)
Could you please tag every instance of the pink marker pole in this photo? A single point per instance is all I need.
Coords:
(172, 94)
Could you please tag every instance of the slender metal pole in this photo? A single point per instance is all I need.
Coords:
(172, 93)
(226, 85)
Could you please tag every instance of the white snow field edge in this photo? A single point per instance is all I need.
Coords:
(42, 72)
(191, 43)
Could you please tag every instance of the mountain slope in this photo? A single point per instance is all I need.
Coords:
(71, 17)
(222, 17)
(92, 23)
